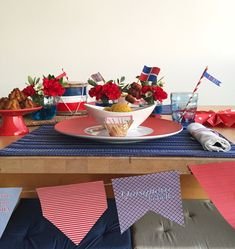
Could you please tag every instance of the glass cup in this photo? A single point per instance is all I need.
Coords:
(184, 107)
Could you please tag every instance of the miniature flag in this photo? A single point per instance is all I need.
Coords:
(75, 208)
(62, 75)
(97, 77)
(137, 195)
(211, 78)
(149, 74)
(8, 200)
(218, 180)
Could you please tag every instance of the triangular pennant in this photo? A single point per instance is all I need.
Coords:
(137, 195)
(75, 208)
(211, 78)
(8, 200)
(218, 180)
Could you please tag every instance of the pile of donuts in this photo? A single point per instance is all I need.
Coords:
(16, 100)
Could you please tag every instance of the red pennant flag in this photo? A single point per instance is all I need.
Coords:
(62, 75)
(218, 180)
(75, 208)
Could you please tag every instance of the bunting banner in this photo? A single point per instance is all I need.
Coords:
(8, 200)
(218, 180)
(74, 208)
(136, 195)
(149, 74)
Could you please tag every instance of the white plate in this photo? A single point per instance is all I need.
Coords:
(100, 133)
(86, 127)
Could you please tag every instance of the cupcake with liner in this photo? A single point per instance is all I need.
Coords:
(118, 126)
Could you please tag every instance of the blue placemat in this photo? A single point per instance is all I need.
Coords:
(45, 141)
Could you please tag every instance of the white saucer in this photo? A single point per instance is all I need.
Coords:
(99, 132)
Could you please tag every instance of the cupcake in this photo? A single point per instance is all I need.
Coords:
(117, 127)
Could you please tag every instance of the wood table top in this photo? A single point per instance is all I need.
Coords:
(105, 165)
(33, 172)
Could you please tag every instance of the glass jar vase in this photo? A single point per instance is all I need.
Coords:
(48, 110)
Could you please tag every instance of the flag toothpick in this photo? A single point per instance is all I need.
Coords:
(209, 77)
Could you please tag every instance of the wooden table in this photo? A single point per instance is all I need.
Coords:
(32, 172)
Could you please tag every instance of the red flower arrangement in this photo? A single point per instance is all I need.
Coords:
(108, 91)
(50, 86)
(53, 86)
(149, 93)
(29, 91)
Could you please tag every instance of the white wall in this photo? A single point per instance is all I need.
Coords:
(117, 37)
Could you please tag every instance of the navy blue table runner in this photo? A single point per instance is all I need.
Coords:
(45, 141)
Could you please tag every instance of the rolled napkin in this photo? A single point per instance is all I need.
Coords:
(208, 138)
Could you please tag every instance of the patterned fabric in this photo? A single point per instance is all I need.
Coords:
(75, 208)
(45, 141)
(137, 195)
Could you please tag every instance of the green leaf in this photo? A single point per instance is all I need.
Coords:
(105, 99)
(92, 82)
(37, 80)
(144, 83)
(126, 88)
(122, 78)
(61, 81)
(30, 80)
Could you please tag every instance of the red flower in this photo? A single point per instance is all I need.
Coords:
(29, 91)
(111, 91)
(96, 91)
(146, 89)
(52, 87)
(108, 91)
(159, 93)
